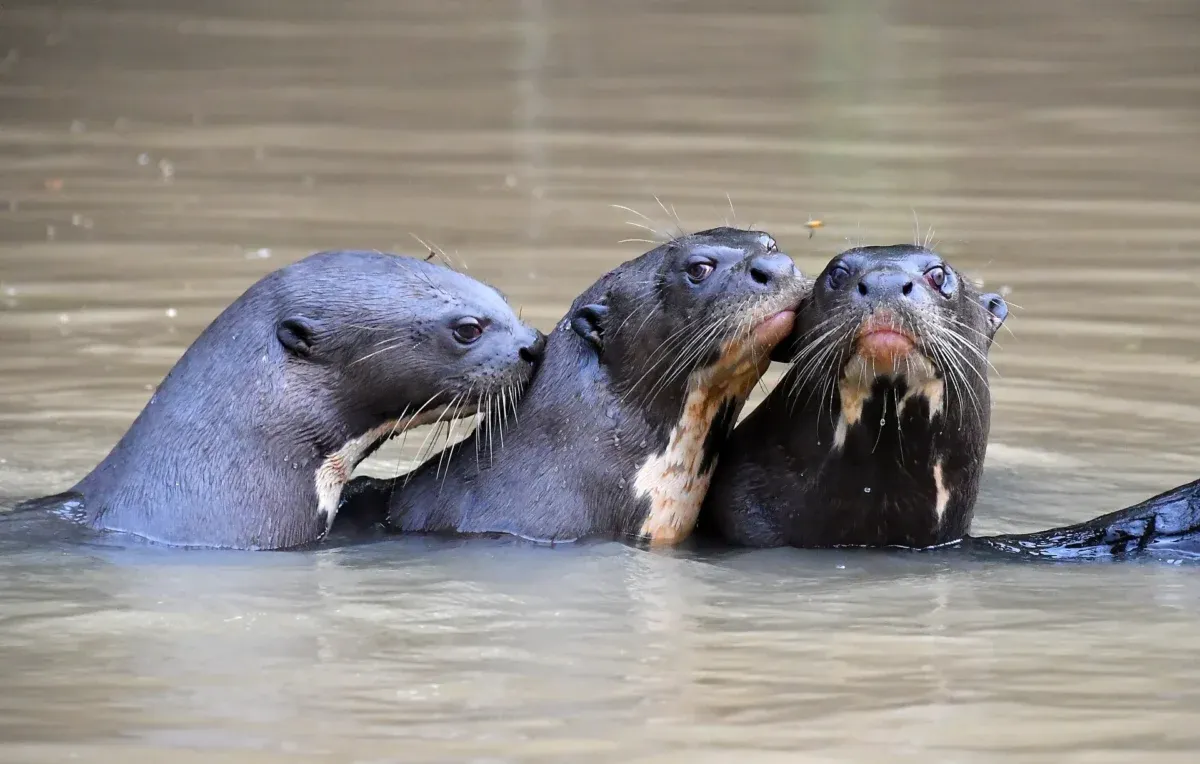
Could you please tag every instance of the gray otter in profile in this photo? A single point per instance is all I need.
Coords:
(877, 435)
(620, 429)
(251, 436)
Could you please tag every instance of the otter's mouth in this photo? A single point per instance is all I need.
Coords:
(885, 343)
(770, 331)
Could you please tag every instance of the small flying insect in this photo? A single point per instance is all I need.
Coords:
(812, 225)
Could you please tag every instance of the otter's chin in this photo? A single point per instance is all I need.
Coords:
(774, 329)
(885, 349)
(883, 346)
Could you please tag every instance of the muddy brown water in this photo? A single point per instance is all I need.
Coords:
(157, 157)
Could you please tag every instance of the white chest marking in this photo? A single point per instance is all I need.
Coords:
(854, 389)
(335, 471)
(943, 493)
(672, 479)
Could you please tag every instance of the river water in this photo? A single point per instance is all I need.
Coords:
(157, 156)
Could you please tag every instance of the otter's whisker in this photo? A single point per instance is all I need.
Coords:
(689, 353)
(431, 437)
(632, 210)
(503, 403)
(955, 362)
(671, 213)
(407, 428)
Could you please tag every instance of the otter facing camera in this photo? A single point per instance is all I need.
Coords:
(587, 323)
(296, 333)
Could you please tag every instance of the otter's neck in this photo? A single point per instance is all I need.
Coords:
(232, 450)
(674, 481)
(886, 460)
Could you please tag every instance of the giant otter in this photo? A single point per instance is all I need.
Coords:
(877, 435)
(251, 436)
(619, 431)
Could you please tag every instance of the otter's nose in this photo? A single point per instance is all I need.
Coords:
(766, 269)
(534, 351)
(883, 285)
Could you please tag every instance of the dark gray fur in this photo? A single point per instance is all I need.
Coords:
(313, 355)
(599, 405)
(779, 481)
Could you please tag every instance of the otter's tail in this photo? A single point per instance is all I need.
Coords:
(1166, 524)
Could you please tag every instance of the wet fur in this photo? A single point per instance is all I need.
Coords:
(840, 455)
(251, 436)
(1165, 524)
(619, 431)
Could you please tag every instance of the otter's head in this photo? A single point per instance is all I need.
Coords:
(408, 342)
(898, 321)
(683, 333)
(702, 305)
(408, 338)
(891, 375)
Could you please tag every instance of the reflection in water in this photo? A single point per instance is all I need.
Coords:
(159, 158)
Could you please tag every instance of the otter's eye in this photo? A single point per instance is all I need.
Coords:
(699, 271)
(936, 276)
(838, 277)
(467, 330)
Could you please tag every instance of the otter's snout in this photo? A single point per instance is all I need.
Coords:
(767, 270)
(887, 285)
(536, 350)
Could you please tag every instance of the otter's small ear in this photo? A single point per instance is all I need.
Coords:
(588, 322)
(297, 334)
(997, 310)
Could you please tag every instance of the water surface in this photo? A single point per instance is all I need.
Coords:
(158, 157)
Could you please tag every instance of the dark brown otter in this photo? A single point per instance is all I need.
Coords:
(877, 435)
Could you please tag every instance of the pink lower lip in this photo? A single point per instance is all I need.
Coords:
(774, 328)
(885, 344)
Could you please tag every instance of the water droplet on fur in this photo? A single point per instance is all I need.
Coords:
(295, 466)
(642, 444)
(621, 482)
(867, 490)
(597, 438)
